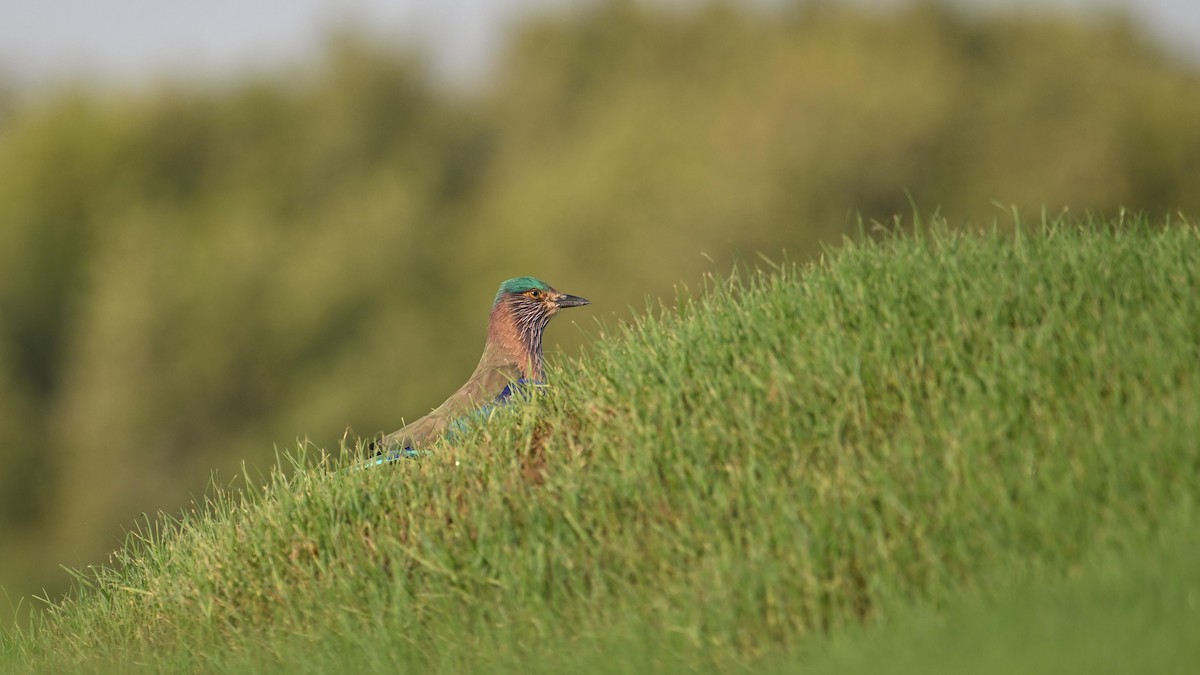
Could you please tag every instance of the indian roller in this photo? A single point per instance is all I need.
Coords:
(512, 358)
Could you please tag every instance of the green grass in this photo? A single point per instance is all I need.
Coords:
(1132, 611)
(790, 462)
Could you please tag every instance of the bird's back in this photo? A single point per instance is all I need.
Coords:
(482, 389)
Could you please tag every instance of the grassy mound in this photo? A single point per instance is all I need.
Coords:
(784, 458)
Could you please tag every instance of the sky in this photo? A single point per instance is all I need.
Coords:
(46, 40)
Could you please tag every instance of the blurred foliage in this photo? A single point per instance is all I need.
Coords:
(191, 273)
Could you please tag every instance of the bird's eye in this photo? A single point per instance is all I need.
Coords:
(535, 294)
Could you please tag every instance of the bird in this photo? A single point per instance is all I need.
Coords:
(511, 363)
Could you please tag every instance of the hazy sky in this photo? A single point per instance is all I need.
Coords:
(129, 39)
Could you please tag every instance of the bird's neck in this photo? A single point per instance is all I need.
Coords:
(510, 343)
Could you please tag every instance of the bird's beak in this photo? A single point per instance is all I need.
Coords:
(570, 301)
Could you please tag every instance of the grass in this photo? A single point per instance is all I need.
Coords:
(1132, 611)
(791, 461)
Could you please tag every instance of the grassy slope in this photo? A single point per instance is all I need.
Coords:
(751, 477)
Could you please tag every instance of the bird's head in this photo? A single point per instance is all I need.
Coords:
(534, 299)
(520, 313)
